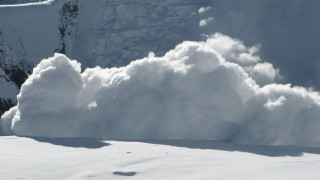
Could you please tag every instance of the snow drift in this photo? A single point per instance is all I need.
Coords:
(199, 90)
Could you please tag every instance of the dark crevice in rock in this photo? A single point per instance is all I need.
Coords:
(5, 104)
(16, 75)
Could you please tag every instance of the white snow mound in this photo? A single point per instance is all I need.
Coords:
(199, 90)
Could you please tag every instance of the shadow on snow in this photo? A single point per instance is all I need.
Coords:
(266, 150)
(76, 142)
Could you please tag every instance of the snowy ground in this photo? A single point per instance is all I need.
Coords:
(78, 158)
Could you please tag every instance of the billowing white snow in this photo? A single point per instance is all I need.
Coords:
(203, 9)
(199, 90)
(205, 21)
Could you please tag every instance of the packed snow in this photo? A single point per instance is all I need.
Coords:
(199, 90)
(78, 158)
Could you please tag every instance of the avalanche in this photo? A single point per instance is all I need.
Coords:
(200, 90)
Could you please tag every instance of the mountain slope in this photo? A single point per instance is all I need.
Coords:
(104, 33)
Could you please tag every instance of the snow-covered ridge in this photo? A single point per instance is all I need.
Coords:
(21, 4)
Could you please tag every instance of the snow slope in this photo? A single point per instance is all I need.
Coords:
(105, 33)
(78, 158)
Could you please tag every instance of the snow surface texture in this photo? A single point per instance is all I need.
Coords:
(199, 90)
(80, 159)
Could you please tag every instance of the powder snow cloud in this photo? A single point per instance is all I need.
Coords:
(217, 89)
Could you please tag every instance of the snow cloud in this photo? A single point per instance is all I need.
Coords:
(199, 90)
(206, 21)
(204, 9)
(264, 73)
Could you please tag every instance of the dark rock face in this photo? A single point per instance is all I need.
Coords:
(68, 21)
(5, 105)
(12, 71)
(17, 75)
